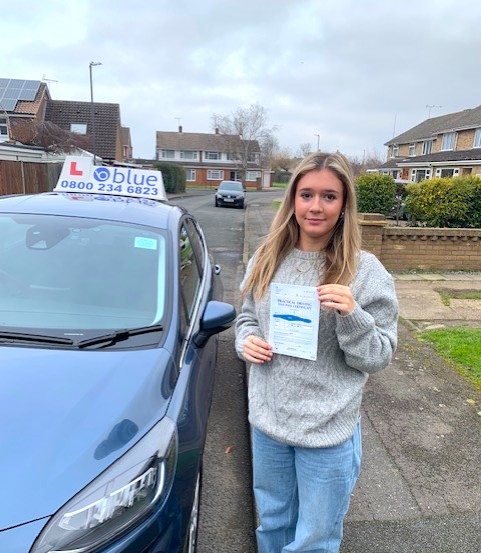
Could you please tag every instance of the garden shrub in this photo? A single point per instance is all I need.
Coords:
(375, 193)
(173, 176)
(446, 202)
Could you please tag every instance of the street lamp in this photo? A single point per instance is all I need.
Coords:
(92, 107)
(318, 137)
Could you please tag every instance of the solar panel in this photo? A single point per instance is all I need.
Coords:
(28, 95)
(31, 85)
(15, 83)
(13, 90)
(12, 93)
(8, 104)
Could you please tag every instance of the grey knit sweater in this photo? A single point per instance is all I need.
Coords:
(316, 403)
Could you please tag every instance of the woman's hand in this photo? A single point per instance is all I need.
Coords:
(336, 296)
(256, 350)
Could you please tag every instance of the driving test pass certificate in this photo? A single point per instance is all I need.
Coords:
(294, 320)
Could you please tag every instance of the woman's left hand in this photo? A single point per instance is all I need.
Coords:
(336, 296)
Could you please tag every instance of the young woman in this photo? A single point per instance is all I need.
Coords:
(306, 414)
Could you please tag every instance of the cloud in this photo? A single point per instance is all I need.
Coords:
(352, 72)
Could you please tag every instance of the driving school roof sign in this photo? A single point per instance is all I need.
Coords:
(79, 174)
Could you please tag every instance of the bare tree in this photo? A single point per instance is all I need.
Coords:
(304, 149)
(248, 138)
(282, 159)
(370, 160)
(51, 137)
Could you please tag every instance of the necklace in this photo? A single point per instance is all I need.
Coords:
(307, 265)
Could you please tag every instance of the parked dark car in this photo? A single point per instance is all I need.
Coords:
(109, 306)
(399, 211)
(230, 192)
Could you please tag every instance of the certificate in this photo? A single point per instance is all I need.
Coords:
(294, 320)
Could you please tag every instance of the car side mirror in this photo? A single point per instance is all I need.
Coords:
(218, 316)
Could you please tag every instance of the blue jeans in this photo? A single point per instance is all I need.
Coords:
(302, 494)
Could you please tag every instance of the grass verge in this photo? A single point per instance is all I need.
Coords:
(447, 294)
(460, 346)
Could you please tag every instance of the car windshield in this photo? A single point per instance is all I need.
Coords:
(79, 273)
(231, 185)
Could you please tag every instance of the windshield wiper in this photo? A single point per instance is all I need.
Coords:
(118, 335)
(10, 336)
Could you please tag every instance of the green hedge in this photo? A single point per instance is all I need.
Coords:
(173, 176)
(375, 193)
(448, 202)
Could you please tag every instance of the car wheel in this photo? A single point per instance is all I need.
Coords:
(194, 519)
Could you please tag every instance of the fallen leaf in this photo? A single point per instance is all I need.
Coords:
(470, 401)
(228, 449)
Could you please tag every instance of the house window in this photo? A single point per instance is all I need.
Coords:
(233, 156)
(412, 149)
(252, 175)
(395, 150)
(78, 128)
(190, 175)
(448, 141)
(445, 173)
(212, 155)
(215, 174)
(427, 147)
(421, 174)
(167, 154)
(477, 138)
(188, 154)
(254, 157)
(3, 128)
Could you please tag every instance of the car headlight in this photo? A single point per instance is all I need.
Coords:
(117, 498)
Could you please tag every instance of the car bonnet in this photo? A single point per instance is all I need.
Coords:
(68, 415)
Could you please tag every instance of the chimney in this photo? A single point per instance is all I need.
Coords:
(180, 128)
(217, 130)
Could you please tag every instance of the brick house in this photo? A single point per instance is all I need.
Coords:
(21, 103)
(127, 151)
(210, 158)
(78, 117)
(444, 146)
(25, 102)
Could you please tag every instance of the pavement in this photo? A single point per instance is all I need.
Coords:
(420, 486)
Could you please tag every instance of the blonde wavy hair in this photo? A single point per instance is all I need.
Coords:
(342, 250)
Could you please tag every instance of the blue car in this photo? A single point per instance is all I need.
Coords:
(108, 307)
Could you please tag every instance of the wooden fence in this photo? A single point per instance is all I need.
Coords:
(25, 177)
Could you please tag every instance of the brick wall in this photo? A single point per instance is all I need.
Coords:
(405, 248)
(465, 140)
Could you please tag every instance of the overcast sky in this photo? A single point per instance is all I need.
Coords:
(356, 72)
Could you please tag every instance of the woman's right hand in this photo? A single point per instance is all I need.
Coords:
(256, 350)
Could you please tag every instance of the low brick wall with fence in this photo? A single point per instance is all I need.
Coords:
(428, 249)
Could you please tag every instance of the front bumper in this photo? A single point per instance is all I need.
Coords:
(228, 200)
